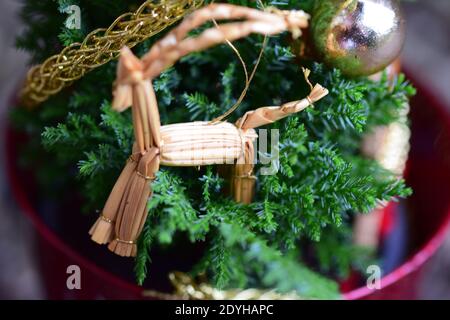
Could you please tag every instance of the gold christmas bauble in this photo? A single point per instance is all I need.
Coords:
(360, 37)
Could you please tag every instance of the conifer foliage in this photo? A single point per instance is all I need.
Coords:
(322, 180)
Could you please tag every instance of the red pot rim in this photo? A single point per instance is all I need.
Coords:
(24, 203)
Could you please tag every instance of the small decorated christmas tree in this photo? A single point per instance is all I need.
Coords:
(320, 182)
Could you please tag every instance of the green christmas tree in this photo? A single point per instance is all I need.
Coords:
(78, 143)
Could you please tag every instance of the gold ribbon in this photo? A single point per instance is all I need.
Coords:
(101, 46)
(186, 287)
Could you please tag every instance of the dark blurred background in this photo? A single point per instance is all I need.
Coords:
(426, 54)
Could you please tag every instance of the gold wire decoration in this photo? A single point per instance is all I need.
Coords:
(101, 46)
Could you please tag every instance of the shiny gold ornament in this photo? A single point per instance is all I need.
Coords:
(360, 37)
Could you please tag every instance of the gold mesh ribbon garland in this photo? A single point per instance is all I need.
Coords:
(189, 288)
(102, 46)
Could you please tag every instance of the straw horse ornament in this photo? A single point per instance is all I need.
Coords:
(193, 143)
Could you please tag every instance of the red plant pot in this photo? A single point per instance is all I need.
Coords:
(428, 173)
